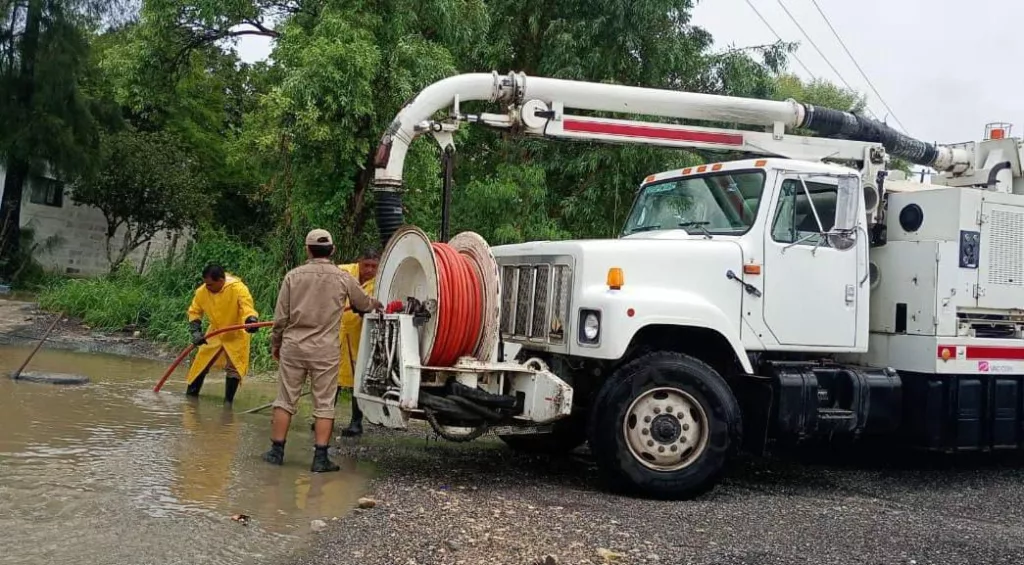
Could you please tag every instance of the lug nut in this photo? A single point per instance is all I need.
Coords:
(650, 443)
(682, 439)
(647, 419)
(686, 427)
(673, 448)
(680, 415)
(645, 431)
(661, 449)
(668, 409)
(657, 410)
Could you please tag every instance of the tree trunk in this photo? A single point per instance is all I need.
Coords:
(10, 211)
(17, 166)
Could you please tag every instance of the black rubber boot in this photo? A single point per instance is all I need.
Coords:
(230, 388)
(197, 385)
(276, 454)
(321, 464)
(355, 426)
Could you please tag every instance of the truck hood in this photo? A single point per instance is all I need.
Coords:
(677, 281)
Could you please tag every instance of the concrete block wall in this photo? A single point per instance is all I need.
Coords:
(82, 232)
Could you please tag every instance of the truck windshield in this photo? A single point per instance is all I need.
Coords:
(716, 203)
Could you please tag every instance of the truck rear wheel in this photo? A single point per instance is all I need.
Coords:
(566, 434)
(664, 426)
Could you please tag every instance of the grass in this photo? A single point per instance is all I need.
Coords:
(156, 302)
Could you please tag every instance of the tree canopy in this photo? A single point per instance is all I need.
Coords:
(153, 111)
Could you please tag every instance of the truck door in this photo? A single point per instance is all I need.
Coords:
(811, 286)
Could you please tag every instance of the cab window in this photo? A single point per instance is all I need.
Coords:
(718, 203)
(803, 217)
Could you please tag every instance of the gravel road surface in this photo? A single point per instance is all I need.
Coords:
(480, 503)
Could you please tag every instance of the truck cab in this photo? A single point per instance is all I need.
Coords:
(713, 251)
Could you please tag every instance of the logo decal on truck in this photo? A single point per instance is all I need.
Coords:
(989, 367)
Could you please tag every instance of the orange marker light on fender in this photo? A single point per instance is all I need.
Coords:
(751, 269)
(630, 312)
(615, 278)
(760, 163)
(946, 354)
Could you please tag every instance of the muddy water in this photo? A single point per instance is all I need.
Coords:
(112, 473)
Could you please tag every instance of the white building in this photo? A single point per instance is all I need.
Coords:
(71, 239)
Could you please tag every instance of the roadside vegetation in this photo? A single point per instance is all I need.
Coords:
(168, 129)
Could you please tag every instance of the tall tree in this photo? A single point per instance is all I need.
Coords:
(146, 182)
(48, 126)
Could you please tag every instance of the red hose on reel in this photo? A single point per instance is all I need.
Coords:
(459, 318)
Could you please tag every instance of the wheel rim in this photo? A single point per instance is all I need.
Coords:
(666, 429)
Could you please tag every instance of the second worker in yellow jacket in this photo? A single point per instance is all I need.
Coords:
(225, 301)
(365, 271)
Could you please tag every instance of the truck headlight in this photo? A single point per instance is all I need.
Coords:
(590, 327)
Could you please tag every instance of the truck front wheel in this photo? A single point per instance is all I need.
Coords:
(664, 425)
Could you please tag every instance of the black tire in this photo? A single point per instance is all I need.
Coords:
(566, 434)
(684, 377)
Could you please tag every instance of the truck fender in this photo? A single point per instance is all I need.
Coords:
(666, 307)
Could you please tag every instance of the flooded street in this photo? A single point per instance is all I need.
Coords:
(110, 472)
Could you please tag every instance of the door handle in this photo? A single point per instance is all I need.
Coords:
(751, 289)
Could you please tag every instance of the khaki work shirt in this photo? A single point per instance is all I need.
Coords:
(307, 319)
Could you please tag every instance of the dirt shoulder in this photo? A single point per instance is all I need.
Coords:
(23, 323)
(441, 503)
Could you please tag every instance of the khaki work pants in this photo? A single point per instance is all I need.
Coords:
(323, 377)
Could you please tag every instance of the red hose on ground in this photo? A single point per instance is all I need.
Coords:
(461, 306)
(187, 350)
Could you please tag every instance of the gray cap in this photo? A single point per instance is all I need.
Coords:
(319, 237)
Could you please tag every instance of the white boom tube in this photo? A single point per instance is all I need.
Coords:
(572, 94)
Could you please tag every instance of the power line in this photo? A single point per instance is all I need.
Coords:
(862, 73)
(779, 37)
(820, 52)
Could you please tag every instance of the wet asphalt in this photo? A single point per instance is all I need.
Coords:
(442, 503)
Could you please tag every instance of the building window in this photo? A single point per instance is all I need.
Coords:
(47, 192)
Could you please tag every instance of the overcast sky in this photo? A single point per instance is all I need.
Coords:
(944, 68)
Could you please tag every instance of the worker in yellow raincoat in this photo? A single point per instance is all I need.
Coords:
(365, 271)
(225, 301)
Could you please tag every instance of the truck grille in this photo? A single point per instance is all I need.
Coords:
(535, 302)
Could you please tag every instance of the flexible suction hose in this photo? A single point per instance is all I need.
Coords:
(187, 350)
(460, 316)
(837, 123)
(389, 213)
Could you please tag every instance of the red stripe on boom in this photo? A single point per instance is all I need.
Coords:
(986, 352)
(631, 130)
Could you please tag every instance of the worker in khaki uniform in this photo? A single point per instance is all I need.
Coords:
(226, 301)
(305, 342)
(364, 269)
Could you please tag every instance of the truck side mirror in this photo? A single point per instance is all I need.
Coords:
(848, 203)
(848, 195)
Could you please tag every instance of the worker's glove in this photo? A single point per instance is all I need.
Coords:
(252, 320)
(196, 329)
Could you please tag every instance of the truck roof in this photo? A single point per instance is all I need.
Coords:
(745, 164)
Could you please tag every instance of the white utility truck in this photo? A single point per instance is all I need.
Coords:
(803, 293)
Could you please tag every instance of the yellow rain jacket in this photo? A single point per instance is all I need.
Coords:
(229, 307)
(351, 328)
